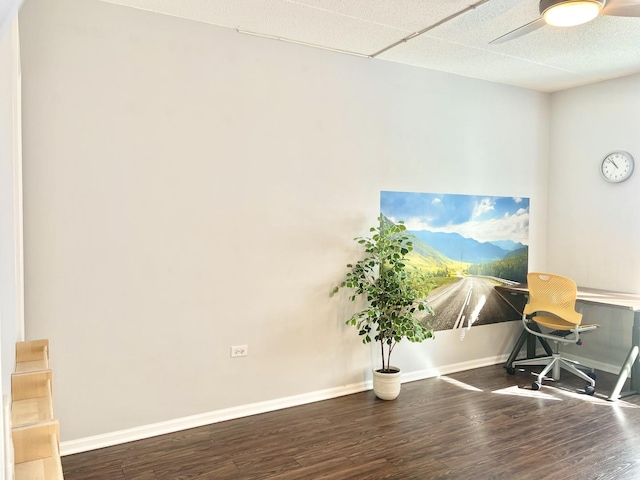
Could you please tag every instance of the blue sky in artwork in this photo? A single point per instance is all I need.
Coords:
(483, 218)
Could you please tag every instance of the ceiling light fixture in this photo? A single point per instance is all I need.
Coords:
(567, 13)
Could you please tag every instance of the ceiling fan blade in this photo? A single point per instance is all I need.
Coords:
(519, 32)
(622, 8)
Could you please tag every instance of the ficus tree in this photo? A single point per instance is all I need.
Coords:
(394, 296)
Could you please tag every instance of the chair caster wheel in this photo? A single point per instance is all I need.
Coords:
(589, 390)
(536, 386)
(511, 370)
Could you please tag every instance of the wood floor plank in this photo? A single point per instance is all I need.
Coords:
(197, 467)
(481, 423)
(321, 469)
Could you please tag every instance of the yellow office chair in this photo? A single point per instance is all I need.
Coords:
(552, 301)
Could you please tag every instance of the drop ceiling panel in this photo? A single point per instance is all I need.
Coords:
(548, 59)
(408, 15)
(438, 54)
(488, 22)
(283, 19)
(607, 43)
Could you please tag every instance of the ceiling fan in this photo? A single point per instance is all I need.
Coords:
(568, 13)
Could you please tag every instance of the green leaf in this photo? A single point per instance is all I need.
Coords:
(391, 290)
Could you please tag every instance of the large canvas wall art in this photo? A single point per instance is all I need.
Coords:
(465, 245)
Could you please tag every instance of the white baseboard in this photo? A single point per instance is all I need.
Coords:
(147, 431)
(454, 367)
(193, 421)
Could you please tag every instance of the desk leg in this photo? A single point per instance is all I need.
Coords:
(630, 364)
(530, 340)
(635, 342)
(516, 350)
(624, 373)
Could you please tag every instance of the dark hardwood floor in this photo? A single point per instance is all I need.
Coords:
(477, 424)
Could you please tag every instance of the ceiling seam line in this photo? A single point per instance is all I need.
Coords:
(431, 27)
(298, 42)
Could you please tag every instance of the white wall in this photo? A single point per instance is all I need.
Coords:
(593, 229)
(188, 188)
(11, 307)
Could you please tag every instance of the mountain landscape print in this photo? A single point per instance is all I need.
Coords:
(465, 245)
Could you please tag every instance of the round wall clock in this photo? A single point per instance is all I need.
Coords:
(617, 166)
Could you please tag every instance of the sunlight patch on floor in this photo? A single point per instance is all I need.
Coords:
(525, 392)
(595, 399)
(460, 384)
(580, 395)
(549, 392)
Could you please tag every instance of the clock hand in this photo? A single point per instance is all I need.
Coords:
(614, 163)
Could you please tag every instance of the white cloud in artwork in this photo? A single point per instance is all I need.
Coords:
(483, 218)
(509, 227)
(483, 206)
(514, 227)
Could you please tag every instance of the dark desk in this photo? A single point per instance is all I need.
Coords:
(592, 296)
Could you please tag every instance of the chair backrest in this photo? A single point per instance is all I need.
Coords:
(554, 294)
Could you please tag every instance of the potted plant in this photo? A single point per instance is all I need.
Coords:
(394, 295)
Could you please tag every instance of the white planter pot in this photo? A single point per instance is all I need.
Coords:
(387, 385)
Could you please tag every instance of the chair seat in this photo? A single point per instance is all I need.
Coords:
(556, 323)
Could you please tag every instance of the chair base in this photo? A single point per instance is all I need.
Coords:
(554, 363)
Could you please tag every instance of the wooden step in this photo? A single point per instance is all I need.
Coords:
(37, 451)
(32, 356)
(31, 398)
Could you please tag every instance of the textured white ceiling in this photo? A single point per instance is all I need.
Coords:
(548, 59)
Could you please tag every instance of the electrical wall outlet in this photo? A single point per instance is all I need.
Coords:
(239, 351)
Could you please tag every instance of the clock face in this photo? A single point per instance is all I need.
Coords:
(617, 166)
